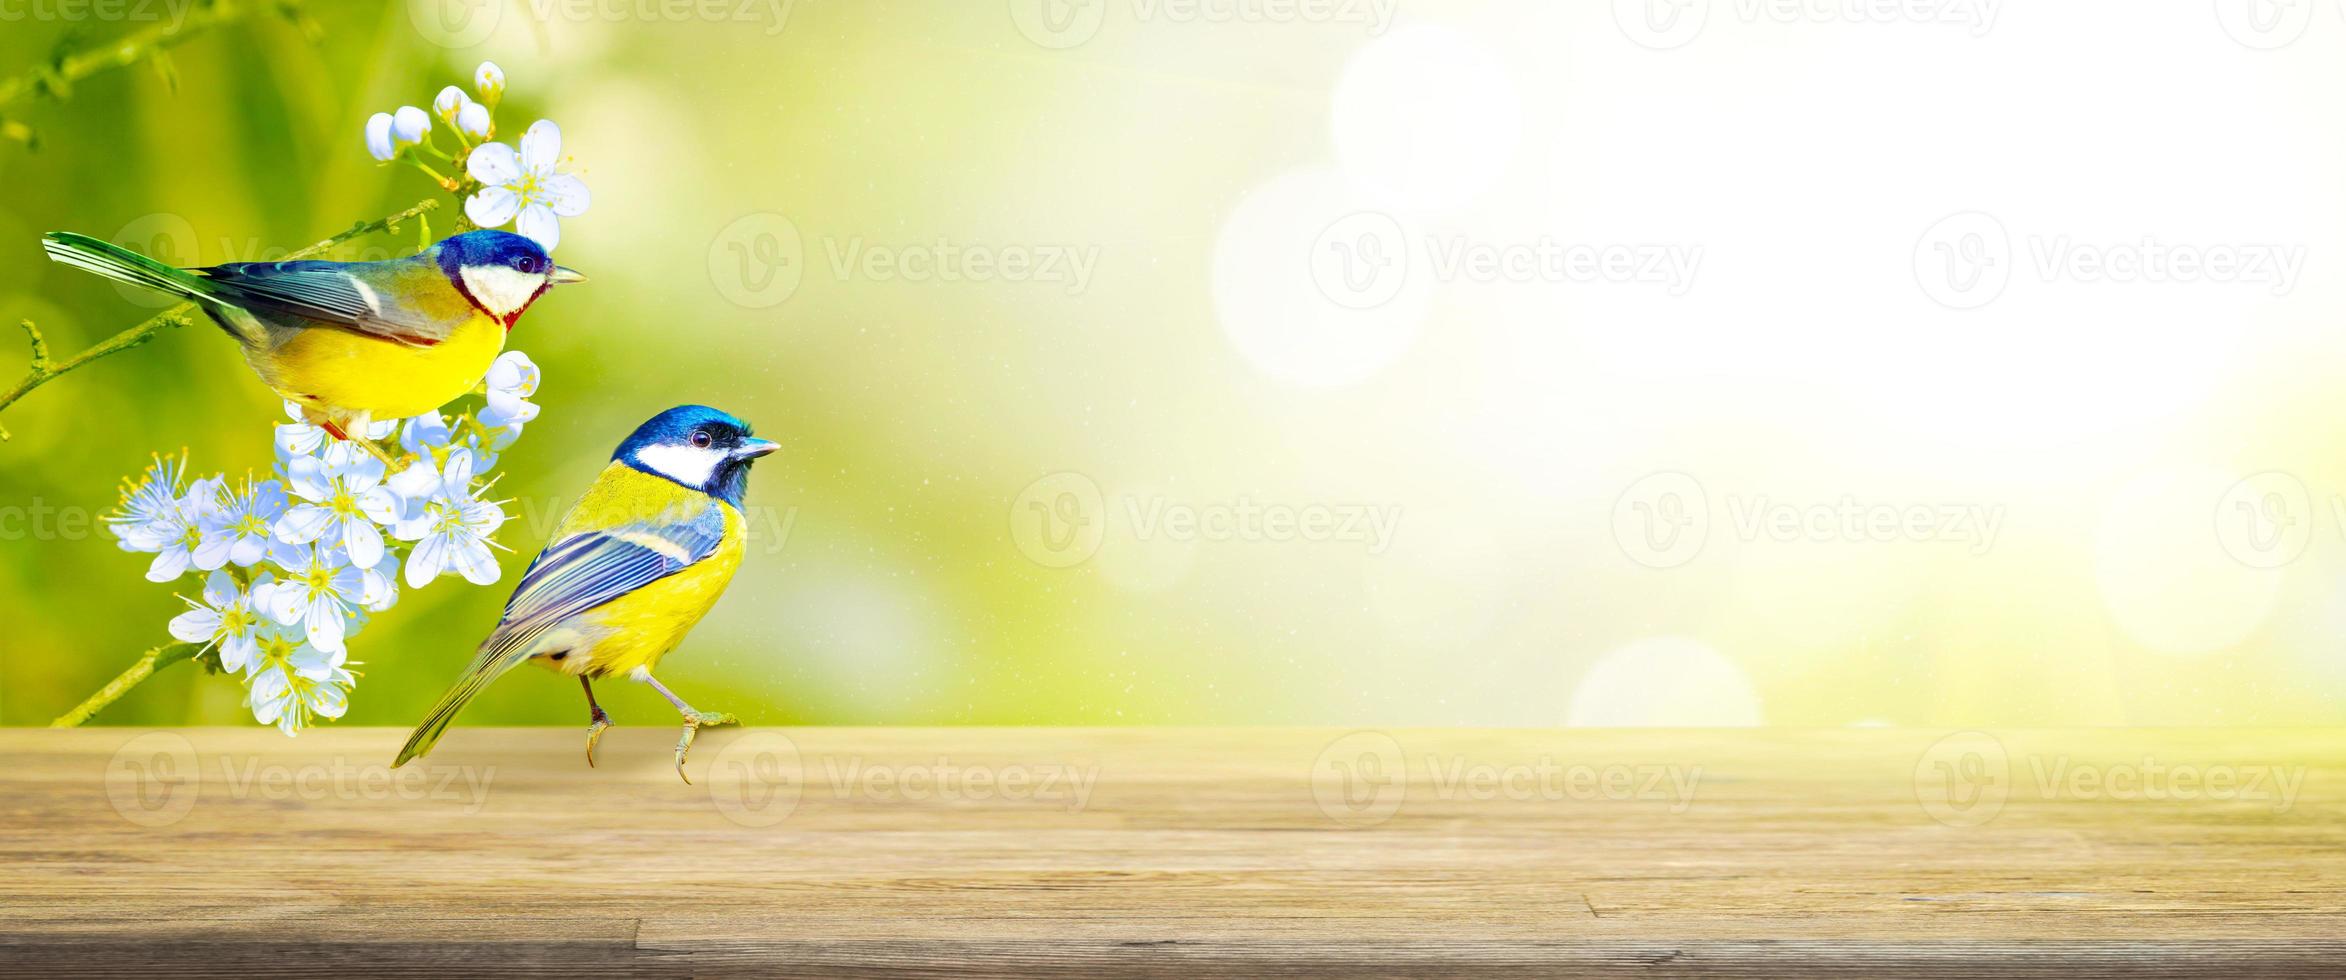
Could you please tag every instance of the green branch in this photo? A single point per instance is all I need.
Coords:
(44, 370)
(152, 43)
(147, 663)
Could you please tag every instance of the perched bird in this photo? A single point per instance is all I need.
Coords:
(351, 342)
(637, 561)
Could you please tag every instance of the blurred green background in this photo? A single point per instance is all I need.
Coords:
(909, 568)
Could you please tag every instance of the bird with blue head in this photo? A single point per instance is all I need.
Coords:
(634, 565)
(353, 342)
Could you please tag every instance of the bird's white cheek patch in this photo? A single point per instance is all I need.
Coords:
(687, 465)
(500, 290)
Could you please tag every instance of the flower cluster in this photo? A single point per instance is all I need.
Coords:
(498, 184)
(291, 566)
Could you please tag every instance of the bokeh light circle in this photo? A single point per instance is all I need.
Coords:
(1664, 682)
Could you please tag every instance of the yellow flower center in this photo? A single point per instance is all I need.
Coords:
(276, 650)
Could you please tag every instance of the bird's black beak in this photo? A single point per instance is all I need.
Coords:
(754, 448)
(564, 275)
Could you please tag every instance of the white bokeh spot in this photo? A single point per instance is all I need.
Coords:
(1664, 682)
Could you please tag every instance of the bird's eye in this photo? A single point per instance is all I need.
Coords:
(701, 438)
(527, 263)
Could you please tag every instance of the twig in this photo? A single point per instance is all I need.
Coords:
(58, 75)
(163, 656)
(43, 370)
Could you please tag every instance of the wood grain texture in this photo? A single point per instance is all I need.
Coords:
(1203, 852)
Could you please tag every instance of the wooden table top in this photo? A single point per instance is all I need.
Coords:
(1207, 852)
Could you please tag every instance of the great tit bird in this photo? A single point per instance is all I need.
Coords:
(637, 561)
(351, 342)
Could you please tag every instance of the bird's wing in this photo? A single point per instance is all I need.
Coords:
(368, 297)
(591, 568)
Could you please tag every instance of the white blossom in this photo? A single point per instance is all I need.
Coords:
(321, 592)
(293, 682)
(225, 617)
(339, 499)
(238, 531)
(149, 509)
(525, 188)
(452, 530)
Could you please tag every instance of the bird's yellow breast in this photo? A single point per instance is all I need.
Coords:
(636, 630)
(349, 371)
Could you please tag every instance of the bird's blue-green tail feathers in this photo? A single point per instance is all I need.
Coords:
(121, 264)
(112, 261)
(488, 665)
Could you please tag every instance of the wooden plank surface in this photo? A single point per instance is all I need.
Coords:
(1206, 852)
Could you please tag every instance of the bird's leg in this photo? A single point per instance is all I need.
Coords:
(693, 720)
(336, 430)
(601, 720)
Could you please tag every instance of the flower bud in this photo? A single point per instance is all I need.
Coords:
(449, 101)
(489, 81)
(379, 143)
(473, 120)
(409, 126)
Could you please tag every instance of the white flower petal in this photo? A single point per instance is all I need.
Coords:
(538, 224)
(493, 164)
(238, 652)
(474, 560)
(323, 621)
(298, 439)
(359, 472)
(483, 518)
(302, 524)
(328, 701)
(364, 541)
(381, 505)
(195, 625)
(249, 548)
(415, 482)
(171, 563)
(456, 478)
(566, 194)
(492, 206)
(505, 408)
(514, 372)
(220, 589)
(285, 603)
(307, 478)
(214, 550)
(541, 147)
(426, 562)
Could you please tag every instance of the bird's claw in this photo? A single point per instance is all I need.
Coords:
(693, 720)
(595, 734)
